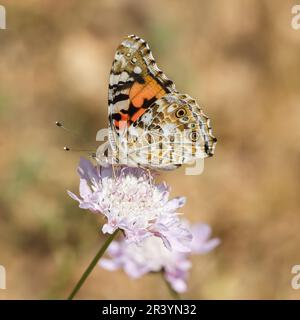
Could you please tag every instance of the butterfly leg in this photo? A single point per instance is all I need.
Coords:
(149, 175)
(113, 171)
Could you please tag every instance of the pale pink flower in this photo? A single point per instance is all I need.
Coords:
(152, 256)
(131, 201)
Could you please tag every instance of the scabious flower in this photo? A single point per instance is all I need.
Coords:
(132, 202)
(152, 256)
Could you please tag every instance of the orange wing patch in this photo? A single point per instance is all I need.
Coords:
(148, 90)
(137, 114)
(122, 122)
(141, 96)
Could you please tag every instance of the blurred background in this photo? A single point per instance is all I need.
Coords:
(239, 59)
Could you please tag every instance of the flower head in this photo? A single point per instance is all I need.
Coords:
(132, 202)
(152, 256)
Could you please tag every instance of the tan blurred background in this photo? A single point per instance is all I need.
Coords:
(239, 59)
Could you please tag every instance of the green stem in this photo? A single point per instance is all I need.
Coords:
(175, 295)
(92, 265)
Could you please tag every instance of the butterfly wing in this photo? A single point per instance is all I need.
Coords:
(150, 123)
(174, 131)
(135, 84)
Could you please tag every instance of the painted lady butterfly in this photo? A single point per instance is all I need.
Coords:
(150, 123)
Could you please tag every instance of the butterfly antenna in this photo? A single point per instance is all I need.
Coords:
(90, 152)
(60, 125)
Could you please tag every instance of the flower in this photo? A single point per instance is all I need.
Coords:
(152, 256)
(132, 202)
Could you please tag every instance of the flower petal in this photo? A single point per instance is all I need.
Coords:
(73, 196)
(175, 203)
(108, 228)
(87, 171)
(110, 265)
(200, 243)
(84, 189)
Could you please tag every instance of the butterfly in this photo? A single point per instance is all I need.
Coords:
(151, 124)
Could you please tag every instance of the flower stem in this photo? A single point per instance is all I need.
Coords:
(175, 295)
(92, 265)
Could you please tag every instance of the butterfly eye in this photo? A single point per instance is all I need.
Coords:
(180, 112)
(192, 125)
(194, 136)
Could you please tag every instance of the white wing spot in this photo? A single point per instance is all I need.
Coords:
(147, 118)
(169, 128)
(137, 70)
(171, 108)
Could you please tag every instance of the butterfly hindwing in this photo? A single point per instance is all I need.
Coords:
(173, 131)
